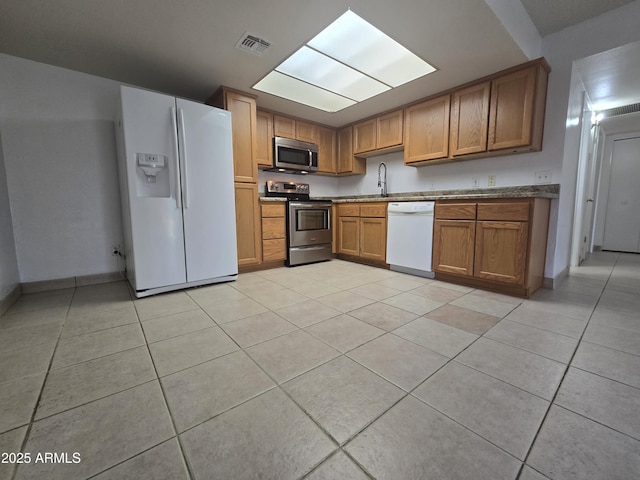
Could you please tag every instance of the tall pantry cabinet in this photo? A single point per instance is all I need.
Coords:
(245, 161)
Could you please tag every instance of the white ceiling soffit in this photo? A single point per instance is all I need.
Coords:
(551, 16)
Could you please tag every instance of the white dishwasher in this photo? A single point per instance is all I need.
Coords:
(410, 237)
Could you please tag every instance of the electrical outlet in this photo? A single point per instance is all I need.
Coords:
(491, 181)
(543, 176)
(475, 182)
(115, 249)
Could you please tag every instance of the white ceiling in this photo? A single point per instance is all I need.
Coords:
(551, 16)
(612, 78)
(187, 48)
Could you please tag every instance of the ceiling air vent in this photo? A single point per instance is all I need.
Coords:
(614, 112)
(252, 44)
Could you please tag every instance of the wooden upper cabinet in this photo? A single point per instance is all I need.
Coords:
(389, 130)
(284, 126)
(244, 131)
(347, 162)
(306, 132)
(327, 150)
(512, 122)
(469, 120)
(297, 129)
(364, 136)
(426, 130)
(378, 133)
(264, 134)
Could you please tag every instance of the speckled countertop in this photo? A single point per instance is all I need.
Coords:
(524, 191)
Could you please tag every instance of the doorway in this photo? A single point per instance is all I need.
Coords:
(622, 218)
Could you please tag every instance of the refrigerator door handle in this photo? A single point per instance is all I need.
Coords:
(183, 143)
(176, 181)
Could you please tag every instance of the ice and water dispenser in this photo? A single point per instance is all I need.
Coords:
(153, 179)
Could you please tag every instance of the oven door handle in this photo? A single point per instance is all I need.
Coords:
(309, 205)
(319, 247)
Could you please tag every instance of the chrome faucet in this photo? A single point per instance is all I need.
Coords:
(382, 181)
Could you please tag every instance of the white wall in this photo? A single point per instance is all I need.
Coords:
(59, 154)
(9, 277)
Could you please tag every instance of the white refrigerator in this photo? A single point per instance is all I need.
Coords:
(175, 161)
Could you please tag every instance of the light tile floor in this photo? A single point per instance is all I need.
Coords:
(328, 371)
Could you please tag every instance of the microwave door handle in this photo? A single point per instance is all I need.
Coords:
(310, 158)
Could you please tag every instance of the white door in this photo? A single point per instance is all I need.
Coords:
(208, 198)
(157, 250)
(622, 223)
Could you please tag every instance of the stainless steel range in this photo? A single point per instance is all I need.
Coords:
(308, 223)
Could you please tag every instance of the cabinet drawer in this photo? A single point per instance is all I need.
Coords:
(348, 210)
(273, 210)
(373, 210)
(273, 228)
(273, 249)
(456, 211)
(508, 211)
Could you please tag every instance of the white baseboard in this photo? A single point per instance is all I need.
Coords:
(552, 283)
(71, 282)
(10, 299)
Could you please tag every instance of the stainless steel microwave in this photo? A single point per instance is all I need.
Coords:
(294, 156)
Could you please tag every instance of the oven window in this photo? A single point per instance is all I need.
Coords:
(312, 220)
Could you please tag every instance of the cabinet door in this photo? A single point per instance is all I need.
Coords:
(245, 145)
(501, 251)
(284, 126)
(349, 235)
(469, 120)
(373, 238)
(326, 150)
(453, 246)
(347, 163)
(306, 132)
(389, 130)
(426, 130)
(248, 224)
(364, 136)
(264, 135)
(511, 110)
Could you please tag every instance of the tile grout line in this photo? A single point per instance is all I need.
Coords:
(555, 395)
(166, 404)
(44, 381)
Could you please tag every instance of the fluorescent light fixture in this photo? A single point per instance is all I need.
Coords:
(357, 43)
(317, 69)
(281, 85)
(348, 62)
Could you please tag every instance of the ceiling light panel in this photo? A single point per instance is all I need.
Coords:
(281, 85)
(355, 42)
(318, 69)
(348, 62)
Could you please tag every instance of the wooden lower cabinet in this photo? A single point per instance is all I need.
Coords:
(501, 251)
(273, 231)
(498, 244)
(373, 238)
(362, 231)
(453, 246)
(248, 224)
(349, 235)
